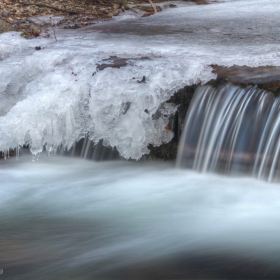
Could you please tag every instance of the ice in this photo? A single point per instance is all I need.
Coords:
(11, 43)
(58, 95)
(47, 19)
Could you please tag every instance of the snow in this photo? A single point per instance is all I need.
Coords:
(57, 95)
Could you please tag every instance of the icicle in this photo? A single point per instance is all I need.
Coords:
(35, 157)
(17, 152)
(50, 151)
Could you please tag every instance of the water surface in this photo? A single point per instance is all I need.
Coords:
(68, 218)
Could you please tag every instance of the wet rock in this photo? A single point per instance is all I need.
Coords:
(266, 77)
(147, 9)
(170, 6)
(166, 151)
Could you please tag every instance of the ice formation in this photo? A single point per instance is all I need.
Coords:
(58, 95)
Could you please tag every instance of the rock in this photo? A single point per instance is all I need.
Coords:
(148, 9)
(115, 6)
(35, 30)
(92, 7)
(143, 80)
(170, 6)
(10, 20)
(116, 13)
(147, 14)
(5, 27)
(72, 26)
(5, 13)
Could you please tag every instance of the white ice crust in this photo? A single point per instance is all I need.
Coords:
(57, 95)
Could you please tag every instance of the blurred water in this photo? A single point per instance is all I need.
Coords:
(68, 218)
(231, 129)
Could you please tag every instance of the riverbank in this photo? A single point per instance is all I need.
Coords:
(65, 84)
(29, 17)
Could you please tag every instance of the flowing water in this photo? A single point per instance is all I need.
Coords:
(69, 218)
(232, 130)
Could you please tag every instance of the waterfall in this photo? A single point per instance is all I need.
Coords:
(232, 130)
(86, 149)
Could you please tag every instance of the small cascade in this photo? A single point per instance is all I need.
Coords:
(232, 130)
(86, 149)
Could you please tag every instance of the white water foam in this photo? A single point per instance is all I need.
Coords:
(57, 95)
(61, 215)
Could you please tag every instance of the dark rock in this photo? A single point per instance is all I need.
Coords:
(143, 80)
(5, 13)
(166, 151)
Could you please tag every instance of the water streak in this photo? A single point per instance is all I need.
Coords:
(232, 130)
(86, 149)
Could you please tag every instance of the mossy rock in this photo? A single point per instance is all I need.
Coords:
(166, 151)
(26, 35)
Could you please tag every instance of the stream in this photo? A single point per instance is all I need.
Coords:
(71, 218)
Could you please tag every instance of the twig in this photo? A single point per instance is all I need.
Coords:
(50, 24)
(50, 7)
(153, 5)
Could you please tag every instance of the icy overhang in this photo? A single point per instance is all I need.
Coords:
(57, 95)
